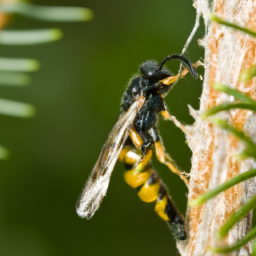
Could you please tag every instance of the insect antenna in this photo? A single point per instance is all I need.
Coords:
(182, 59)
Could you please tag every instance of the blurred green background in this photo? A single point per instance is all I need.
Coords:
(77, 94)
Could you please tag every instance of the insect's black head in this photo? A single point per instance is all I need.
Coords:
(154, 72)
(149, 81)
(150, 71)
(150, 75)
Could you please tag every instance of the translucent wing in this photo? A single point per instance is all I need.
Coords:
(96, 186)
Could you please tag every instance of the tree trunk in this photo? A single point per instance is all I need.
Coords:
(227, 52)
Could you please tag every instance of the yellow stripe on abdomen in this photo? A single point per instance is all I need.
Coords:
(135, 179)
(149, 192)
(160, 208)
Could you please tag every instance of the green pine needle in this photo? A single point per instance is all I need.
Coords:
(51, 13)
(227, 106)
(14, 78)
(237, 94)
(4, 153)
(247, 75)
(14, 108)
(237, 216)
(232, 25)
(28, 37)
(236, 246)
(251, 147)
(253, 248)
(228, 184)
(24, 65)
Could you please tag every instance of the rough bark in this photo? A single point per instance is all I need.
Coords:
(227, 52)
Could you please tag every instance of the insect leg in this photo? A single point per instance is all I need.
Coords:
(167, 116)
(163, 157)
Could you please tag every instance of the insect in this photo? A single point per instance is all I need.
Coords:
(132, 140)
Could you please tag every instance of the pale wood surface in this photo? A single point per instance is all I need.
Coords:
(227, 52)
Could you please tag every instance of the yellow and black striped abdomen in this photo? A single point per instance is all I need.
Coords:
(151, 188)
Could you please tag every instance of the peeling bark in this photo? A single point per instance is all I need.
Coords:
(227, 52)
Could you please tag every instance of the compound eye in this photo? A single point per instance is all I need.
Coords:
(135, 91)
(145, 82)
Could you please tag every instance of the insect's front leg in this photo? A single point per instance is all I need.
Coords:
(167, 116)
(163, 157)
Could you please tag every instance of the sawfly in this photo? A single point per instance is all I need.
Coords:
(132, 140)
